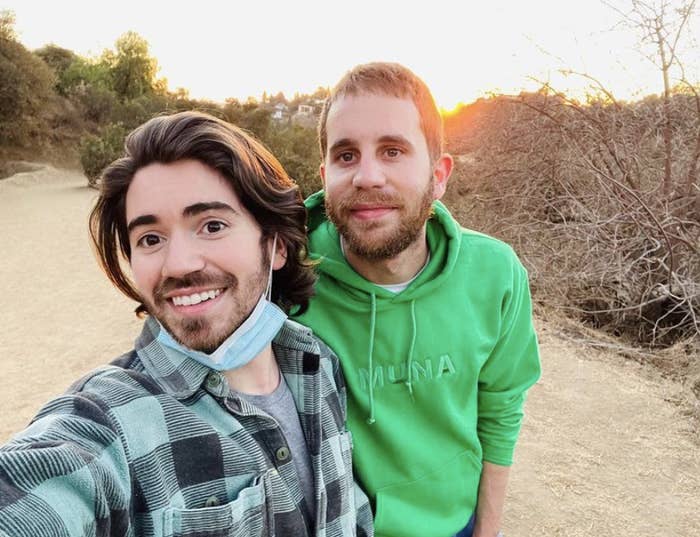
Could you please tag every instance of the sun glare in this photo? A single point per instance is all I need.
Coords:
(476, 50)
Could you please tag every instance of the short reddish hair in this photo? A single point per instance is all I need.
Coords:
(394, 80)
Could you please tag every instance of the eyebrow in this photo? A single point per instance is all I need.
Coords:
(189, 211)
(198, 208)
(386, 139)
(395, 139)
(143, 220)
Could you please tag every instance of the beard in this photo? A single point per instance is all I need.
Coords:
(366, 239)
(202, 333)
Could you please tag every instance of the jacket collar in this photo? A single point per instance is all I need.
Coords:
(181, 376)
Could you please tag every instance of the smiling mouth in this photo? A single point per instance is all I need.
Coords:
(371, 212)
(196, 298)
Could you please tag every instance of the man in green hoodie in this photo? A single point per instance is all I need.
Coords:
(432, 322)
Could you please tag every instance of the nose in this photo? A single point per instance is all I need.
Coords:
(182, 257)
(368, 174)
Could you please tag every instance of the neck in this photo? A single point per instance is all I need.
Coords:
(260, 376)
(398, 269)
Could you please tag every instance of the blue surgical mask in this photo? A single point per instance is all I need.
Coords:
(247, 341)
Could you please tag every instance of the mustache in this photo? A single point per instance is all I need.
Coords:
(373, 198)
(194, 279)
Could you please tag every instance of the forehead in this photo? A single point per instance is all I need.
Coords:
(369, 116)
(163, 188)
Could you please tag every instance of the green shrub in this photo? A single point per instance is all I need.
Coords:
(97, 151)
(133, 112)
(296, 149)
(84, 72)
(97, 102)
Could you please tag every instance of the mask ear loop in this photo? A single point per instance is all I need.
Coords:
(268, 290)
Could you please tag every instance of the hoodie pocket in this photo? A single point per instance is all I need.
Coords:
(245, 516)
(439, 503)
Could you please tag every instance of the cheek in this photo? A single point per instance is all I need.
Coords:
(146, 273)
(337, 176)
(239, 253)
(335, 186)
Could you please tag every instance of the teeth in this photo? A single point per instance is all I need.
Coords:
(196, 298)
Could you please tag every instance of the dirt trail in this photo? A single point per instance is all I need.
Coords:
(605, 448)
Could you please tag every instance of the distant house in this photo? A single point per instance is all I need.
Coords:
(305, 109)
(280, 112)
(305, 116)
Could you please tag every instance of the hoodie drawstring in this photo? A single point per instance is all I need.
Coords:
(409, 369)
(373, 318)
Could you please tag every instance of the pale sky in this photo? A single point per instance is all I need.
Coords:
(462, 49)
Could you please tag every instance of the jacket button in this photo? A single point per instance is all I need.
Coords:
(282, 453)
(214, 380)
(212, 501)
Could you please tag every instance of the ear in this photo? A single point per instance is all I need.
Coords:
(441, 173)
(322, 173)
(280, 253)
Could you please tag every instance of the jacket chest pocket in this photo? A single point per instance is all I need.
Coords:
(245, 516)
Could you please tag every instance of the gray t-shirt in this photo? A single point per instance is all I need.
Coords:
(280, 405)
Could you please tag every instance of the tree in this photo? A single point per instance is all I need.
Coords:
(7, 25)
(132, 69)
(249, 116)
(26, 84)
(662, 25)
(59, 60)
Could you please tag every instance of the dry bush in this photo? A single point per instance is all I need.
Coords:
(578, 190)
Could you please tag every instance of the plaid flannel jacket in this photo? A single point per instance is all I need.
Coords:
(156, 445)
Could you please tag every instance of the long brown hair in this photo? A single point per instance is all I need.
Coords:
(257, 178)
(393, 79)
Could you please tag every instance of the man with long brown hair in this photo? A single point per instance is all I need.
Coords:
(226, 418)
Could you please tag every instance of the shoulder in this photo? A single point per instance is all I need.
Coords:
(299, 349)
(489, 256)
(473, 249)
(124, 375)
(296, 337)
(487, 245)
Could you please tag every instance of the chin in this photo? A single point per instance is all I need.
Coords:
(198, 338)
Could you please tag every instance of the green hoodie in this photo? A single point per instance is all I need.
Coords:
(436, 374)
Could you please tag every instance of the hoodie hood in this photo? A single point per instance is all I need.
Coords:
(443, 235)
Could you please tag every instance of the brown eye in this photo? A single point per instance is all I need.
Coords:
(215, 226)
(148, 241)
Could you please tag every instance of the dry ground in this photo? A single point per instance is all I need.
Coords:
(608, 447)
